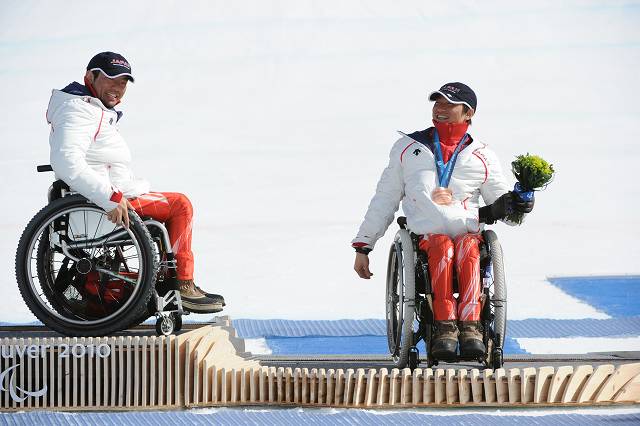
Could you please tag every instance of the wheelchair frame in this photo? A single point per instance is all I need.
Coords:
(165, 302)
(409, 301)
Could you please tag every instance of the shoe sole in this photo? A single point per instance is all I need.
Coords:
(472, 354)
(207, 295)
(446, 356)
(201, 309)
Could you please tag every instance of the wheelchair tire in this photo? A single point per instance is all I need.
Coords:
(400, 298)
(57, 314)
(165, 325)
(498, 298)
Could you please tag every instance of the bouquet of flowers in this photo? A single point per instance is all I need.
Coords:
(533, 174)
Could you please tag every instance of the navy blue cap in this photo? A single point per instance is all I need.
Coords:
(111, 64)
(456, 93)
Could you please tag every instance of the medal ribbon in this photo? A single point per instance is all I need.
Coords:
(445, 170)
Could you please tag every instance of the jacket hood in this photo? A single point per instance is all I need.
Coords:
(75, 90)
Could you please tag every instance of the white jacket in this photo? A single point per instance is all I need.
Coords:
(411, 177)
(88, 152)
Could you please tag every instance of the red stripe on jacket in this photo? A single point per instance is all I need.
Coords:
(486, 169)
(99, 126)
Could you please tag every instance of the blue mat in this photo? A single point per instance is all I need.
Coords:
(617, 296)
(353, 345)
(309, 417)
(615, 327)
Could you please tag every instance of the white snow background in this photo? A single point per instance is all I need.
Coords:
(276, 118)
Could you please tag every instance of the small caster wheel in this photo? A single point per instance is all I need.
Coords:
(414, 358)
(165, 326)
(496, 359)
(432, 362)
(177, 321)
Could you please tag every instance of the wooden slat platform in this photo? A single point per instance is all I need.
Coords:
(206, 365)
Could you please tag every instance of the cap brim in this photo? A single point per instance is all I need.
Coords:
(128, 75)
(432, 98)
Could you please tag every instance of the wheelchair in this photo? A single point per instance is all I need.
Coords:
(409, 301)
(82, 275)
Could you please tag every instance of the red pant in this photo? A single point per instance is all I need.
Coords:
(441, 253)
(175, 210)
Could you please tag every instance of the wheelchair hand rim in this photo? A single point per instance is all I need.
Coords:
(37, 237)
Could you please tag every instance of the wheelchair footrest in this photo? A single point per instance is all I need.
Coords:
(163, 287)
(170, 302)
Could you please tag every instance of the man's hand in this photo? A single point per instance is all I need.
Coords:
(505, 206)
(523, 206)
(120, 215)
(361, 266)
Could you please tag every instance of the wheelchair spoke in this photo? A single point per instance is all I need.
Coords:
(84, 297)
(73, 235)
(96, 233)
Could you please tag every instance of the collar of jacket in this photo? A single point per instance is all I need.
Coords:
(425, 137)
(78, 89)
(451, 133)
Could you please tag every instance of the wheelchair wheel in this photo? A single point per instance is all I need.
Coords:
(82, 275)
(400, 298)
(497, 293)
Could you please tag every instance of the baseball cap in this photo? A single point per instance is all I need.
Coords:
(456, 93)
(111, 64)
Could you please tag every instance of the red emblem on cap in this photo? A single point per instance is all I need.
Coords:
(121, 63)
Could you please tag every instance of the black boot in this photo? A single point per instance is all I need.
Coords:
(471, 345)
(196, 302)
(445, 340)
(213, 296)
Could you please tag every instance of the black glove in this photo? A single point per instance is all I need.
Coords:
(504, 206)
(522, 206)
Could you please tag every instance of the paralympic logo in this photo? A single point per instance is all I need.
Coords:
(13, 388)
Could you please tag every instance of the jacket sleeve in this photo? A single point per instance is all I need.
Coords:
(385, 202)
(73, 126)
(495, 184)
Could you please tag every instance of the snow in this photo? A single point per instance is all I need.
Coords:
(257, 346)
(276, 119)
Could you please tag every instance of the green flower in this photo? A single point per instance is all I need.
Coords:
(532, 171)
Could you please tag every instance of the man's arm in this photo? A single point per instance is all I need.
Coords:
(499, 199)
(384, 204)
(74, 126)
(382, 208)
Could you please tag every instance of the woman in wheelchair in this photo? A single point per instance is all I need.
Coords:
(439, 175)
(92, 158)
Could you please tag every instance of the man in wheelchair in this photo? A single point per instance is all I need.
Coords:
(89, 154)
(439, 175)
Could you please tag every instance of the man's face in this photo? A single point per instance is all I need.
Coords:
(109, 90)
(446, 112)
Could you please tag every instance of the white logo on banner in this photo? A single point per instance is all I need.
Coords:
(13, 388)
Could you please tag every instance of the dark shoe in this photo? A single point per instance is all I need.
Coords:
(215, 297)
(445, 340)
(471, 344)
(196, 302)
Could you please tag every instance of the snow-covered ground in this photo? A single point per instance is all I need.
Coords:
(276, 118)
